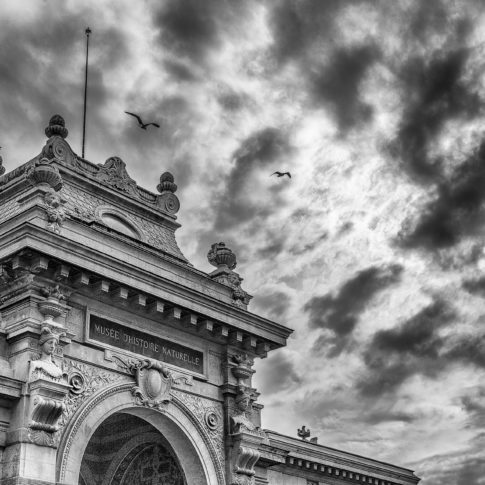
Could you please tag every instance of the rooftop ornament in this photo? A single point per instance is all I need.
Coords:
(57, 126)
(303, 433)
(221, 257)
(167, 200)
(166, 183)
(225, 261)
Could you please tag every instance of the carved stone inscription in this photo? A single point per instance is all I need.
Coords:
(126, 338)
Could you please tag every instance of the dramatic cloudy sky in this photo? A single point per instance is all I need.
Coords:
(372, 252)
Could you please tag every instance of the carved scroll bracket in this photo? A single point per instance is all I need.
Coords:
(46, 407)
(244, 455)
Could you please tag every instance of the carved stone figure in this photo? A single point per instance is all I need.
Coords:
(241, 420)
(44, 367)
(56, 213)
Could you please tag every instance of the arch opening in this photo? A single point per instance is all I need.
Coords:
(126, 449)
(176, 430)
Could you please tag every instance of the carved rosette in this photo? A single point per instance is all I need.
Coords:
(153, 383)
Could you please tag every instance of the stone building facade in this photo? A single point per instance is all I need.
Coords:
(120, 363)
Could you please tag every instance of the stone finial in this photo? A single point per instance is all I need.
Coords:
(56, 127)
(221, 257)
(166, 183)
(167, 200)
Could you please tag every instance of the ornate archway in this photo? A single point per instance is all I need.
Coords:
(193, 449)
(125, 450)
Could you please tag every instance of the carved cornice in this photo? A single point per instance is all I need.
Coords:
(88, 283)
(327, 462)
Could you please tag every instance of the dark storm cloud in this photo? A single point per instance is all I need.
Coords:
(416, 347)
(338, 84)
(231, 101)
(434, 92)
(281, 373)
(259, 150)
(475, 286)
(466, 467)
(273, 304)
(382, 416)
(190, 31)
(36, 53)
(456, 210)
(297, 250)
(39, 76)
(395, 354)
(474, 405)
(296, 25)
(340, 313)
(179, 71)
(272, 249)
(468, 350)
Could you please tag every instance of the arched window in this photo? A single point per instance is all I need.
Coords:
(120, 225)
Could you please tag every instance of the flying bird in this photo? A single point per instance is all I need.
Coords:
(280, 174)
(142, 125)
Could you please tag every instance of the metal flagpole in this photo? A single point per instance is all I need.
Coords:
(88, 31)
